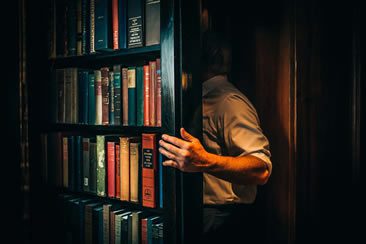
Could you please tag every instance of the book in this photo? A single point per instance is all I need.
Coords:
(103, 25)
(101, 166)
(135, 169)
(86, 164)
(105, 95)
(152, 22)
(149, 170)
(117, 94)
(131, 77)
(135, 22)
(139, 96)
(98, 96)
(125, 96)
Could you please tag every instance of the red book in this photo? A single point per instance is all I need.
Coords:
(149, 170)
(144, 231)
(118, 172)
(146, 95)
(158, 92)
(111, 166)
(115, 23)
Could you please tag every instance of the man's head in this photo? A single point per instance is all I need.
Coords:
(216, 55)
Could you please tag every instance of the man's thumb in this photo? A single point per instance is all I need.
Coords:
(185, 135)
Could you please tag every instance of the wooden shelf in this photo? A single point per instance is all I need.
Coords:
(129, 205)
(102, 129)
(108, 57)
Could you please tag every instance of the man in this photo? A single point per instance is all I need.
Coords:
(234, 155)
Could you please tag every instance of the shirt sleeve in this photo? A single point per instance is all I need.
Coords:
(241, 131)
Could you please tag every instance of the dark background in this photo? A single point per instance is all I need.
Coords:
(299, 63)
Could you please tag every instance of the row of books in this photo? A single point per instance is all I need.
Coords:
(115, 166)
(91, 221)
(79, 27)
(129, 96)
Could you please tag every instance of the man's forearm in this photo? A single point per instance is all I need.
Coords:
(242, 170)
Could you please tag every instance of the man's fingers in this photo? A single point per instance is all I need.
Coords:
(166, 153)
(175, 141)
(171, 163)
(171, 148)
(186, 136)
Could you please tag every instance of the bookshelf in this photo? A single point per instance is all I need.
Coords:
(180, 105)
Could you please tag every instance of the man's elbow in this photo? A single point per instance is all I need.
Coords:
(263, 178)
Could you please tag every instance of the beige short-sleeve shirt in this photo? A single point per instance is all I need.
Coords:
(230, 128)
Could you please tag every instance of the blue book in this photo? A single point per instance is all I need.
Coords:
(83, 76)
(111, 98)
(79, 163)
(103, 25)
(117, 94)
(85, 26)
(71, 28)
(140, 96)
(97, 225)
(91, 106)
(71, 160)
(122, 23)
(131, 76)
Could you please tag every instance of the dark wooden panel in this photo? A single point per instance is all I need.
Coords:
(324, 168)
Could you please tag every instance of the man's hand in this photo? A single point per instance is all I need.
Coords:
(187, 155)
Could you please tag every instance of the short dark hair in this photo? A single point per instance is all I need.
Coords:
(216, 53)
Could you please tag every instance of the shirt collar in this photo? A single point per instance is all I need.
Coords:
(212, 83)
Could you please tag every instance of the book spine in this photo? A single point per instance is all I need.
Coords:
(60, 79)
(158, 93)
(106, 222)
(115, 24)
(92, 26)
(124, 96)
(118, 171)
(101, 174)
(102, 25)
(122, 25)
(52, 30)
(152, 23)
(68, 82)
(146, 95)
(144, 239)
(74, 96)
(131, 76)
(85, 18)
(117, 94)
(149, 168)
(152, 65)
(79, 163)
(135, 23)
(79, 27)
(139, 96)
(111, 168)
(71, 28)
(134, 171)
(86, 164)
(98, 97)
(65, 162)
(83, 96)
(105, 95)
(93, 167)
(71, 160)
(111, 98)
(91, 105)
(125, 168)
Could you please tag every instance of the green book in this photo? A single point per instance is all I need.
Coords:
(101, 174)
